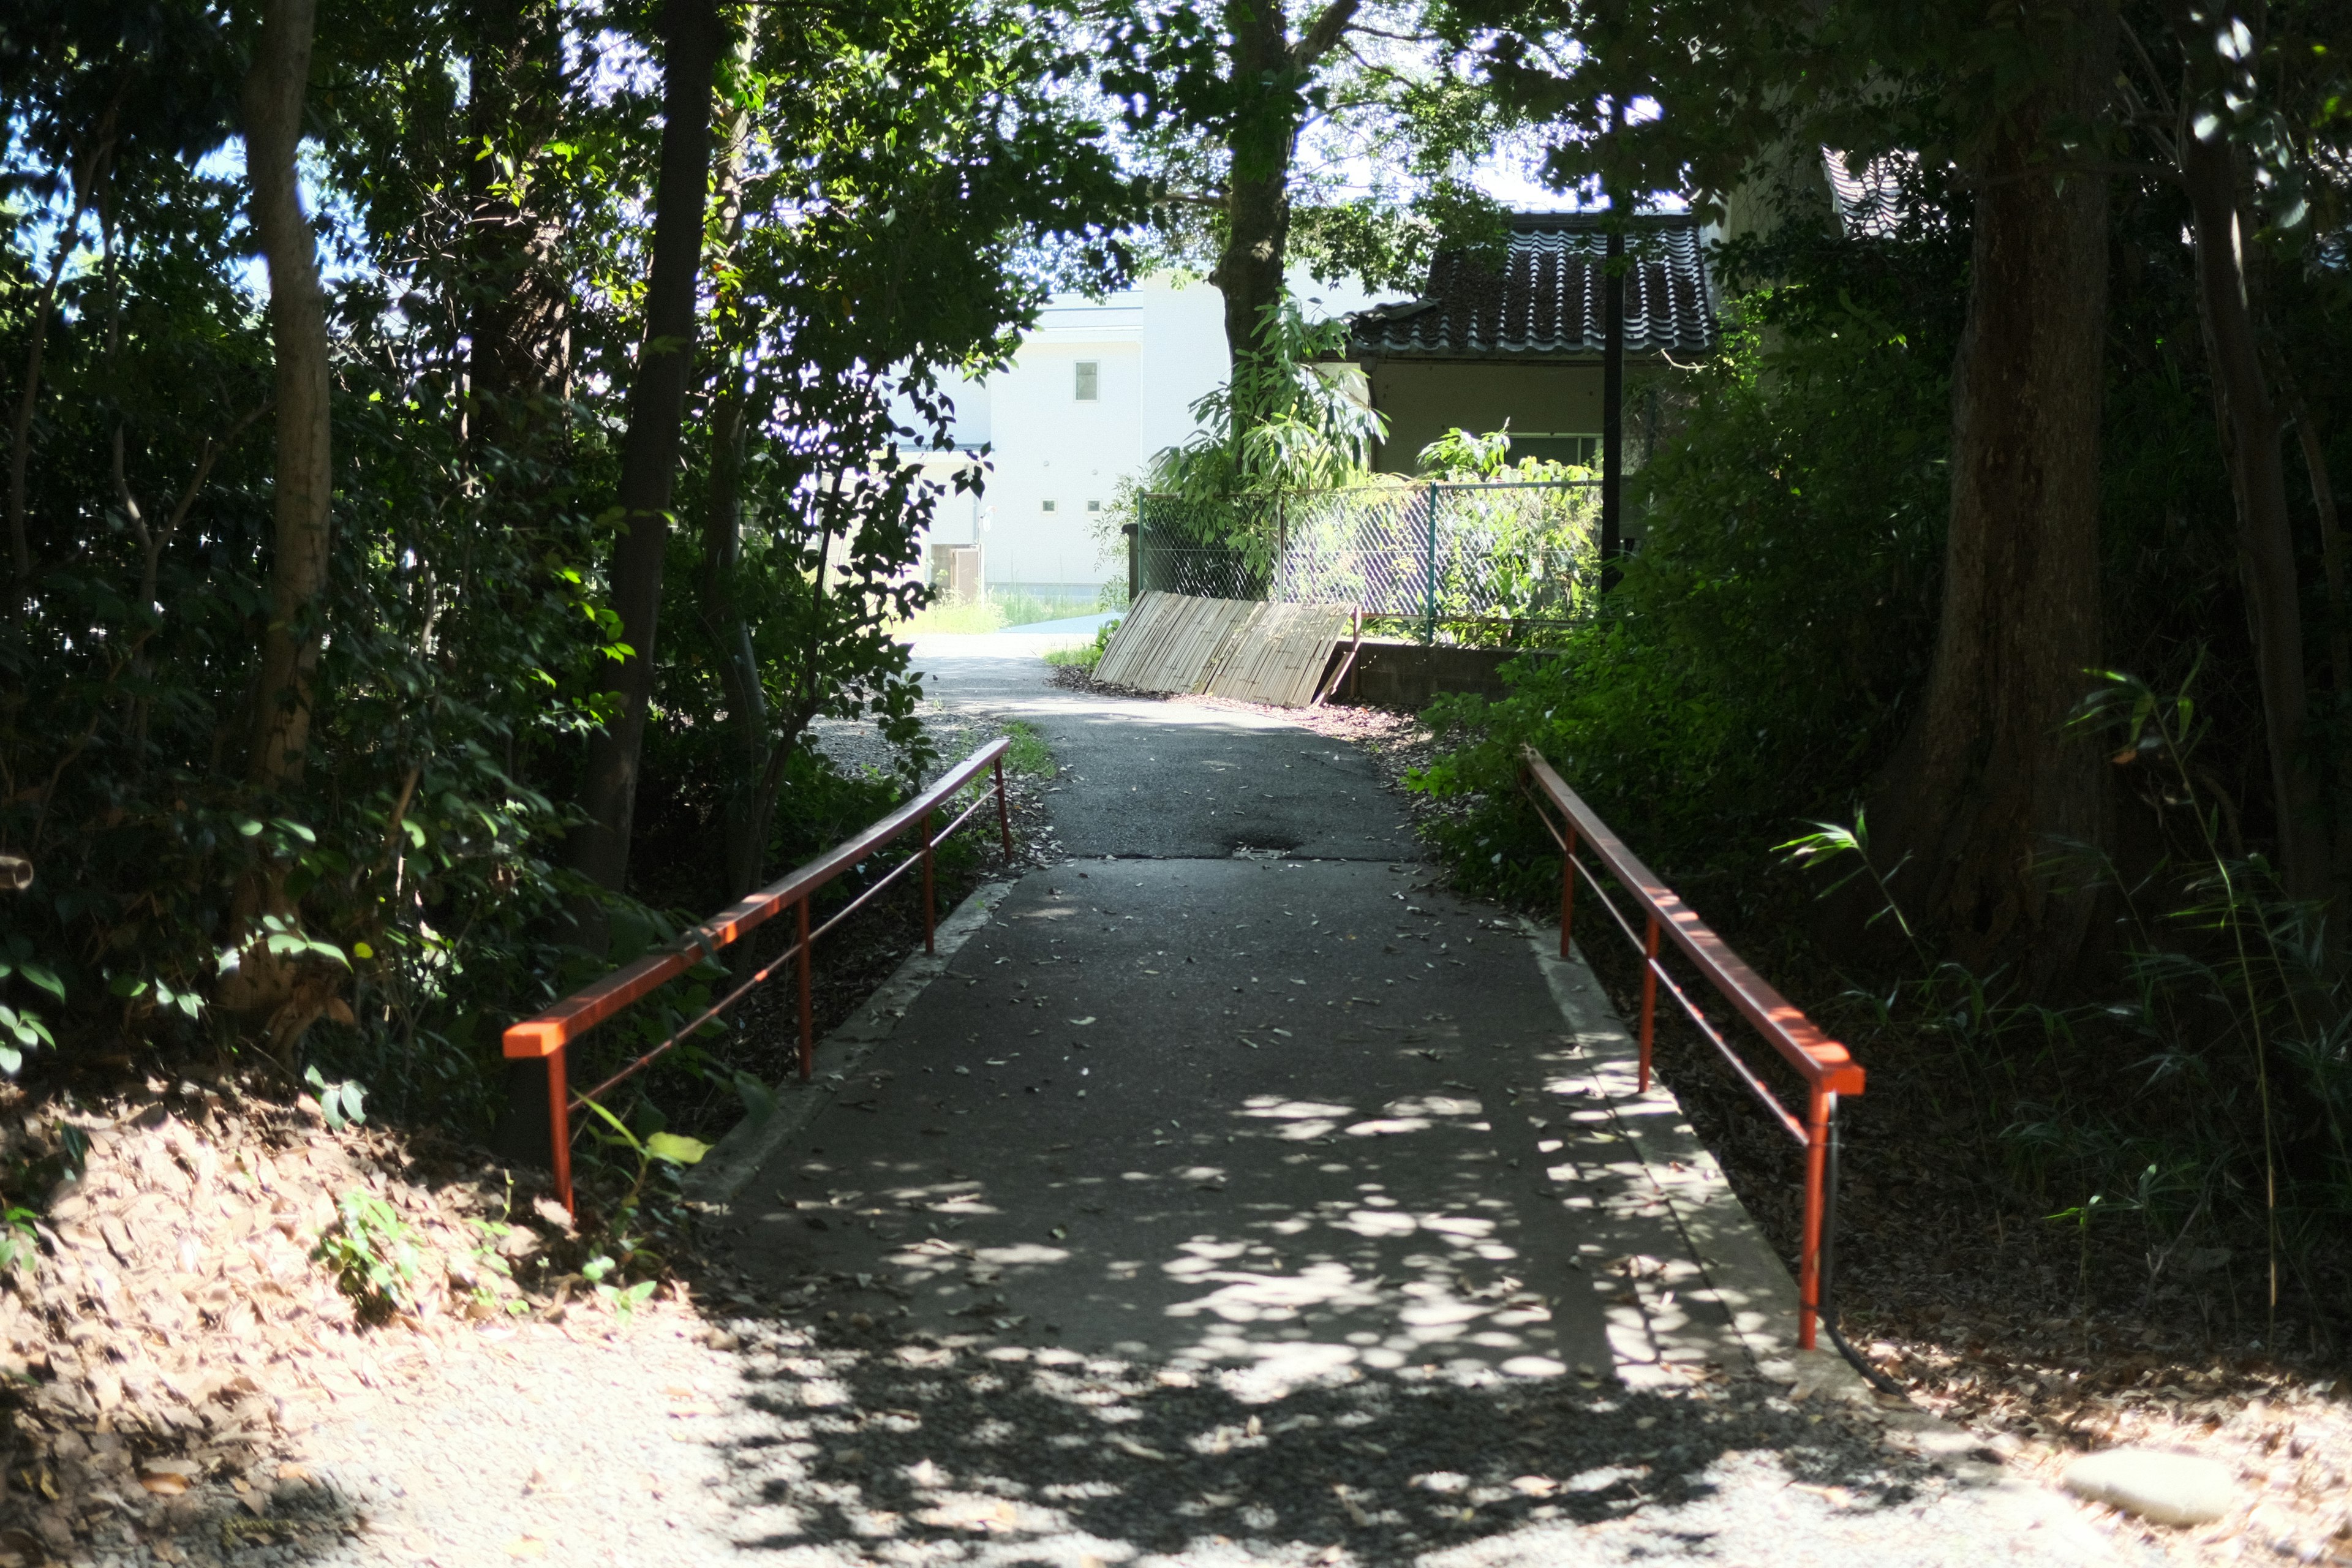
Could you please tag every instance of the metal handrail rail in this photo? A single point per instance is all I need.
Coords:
(548, 1034)
(1828, 1069)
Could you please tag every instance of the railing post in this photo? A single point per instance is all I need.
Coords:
(1429, 592)
(1004, 817)
(559, 1126)
(930, 905)
(1819, 1109)
(1566, 883)
(808, 1017)
(1649, 998)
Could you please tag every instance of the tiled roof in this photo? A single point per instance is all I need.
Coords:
(1545, 302)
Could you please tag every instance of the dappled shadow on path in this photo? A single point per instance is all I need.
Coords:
(959, 1448)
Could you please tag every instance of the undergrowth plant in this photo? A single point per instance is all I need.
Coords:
(622, 1246)
(2210, 1096)
(372, 1254)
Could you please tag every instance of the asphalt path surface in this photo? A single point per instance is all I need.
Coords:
(1234, 1196)
(1269, 1115)
(1168, 781)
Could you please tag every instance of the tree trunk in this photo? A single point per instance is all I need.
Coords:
(690, 35)
(749, 800)
(746, 826)
(2252, 433)
(285, 995)
(519, 316)
(1249, 270)
(1987, 780)
(303, 479)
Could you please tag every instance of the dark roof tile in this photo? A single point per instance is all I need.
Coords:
(1546, 301)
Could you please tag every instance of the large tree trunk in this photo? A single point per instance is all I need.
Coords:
(2251, 436)
(303, 479)
(1257, 204)
(1249, 270)
(690, 35)
(1987, 780)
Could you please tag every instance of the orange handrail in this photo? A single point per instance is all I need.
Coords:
(1828, 1069)
(548, 1034)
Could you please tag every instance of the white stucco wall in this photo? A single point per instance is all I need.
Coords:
(1160, 346)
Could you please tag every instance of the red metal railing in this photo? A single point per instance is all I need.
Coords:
(1823, 1064)
(551, 1032)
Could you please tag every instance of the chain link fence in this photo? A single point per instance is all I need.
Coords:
(1474, 563)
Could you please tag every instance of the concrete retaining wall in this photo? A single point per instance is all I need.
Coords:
(1407, 675)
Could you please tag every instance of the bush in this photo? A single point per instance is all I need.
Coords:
(1750, 668)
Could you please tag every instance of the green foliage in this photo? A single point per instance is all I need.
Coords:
(671, 1151)
(2210, 1097)
(372, 1254)
(1375, 134)
(344, 1104)
(22, 1026)
(20, 1243)
(1750, 666)
(1088, 656)
(1028, 753)
(1278, 422)
(912, 183)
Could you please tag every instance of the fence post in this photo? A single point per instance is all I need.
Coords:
(1134, 532)
(808, 1017)
(1428, 611)
(930, 905)
(1004, 817)
(559, 1126)
(1281, 543)
(1809, 1258)
(1567, 885)
(1825, 1271)
(1649, 998)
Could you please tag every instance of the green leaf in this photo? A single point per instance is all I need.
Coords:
(677, 1148)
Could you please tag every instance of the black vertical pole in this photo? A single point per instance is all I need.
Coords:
(1612, 405)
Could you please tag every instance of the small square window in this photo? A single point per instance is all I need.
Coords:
(1049, 506)
(1094, 506)
(1089, 381)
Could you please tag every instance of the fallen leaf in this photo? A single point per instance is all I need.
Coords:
(1082, 1023)
(166, 1485)
(1130, 1445)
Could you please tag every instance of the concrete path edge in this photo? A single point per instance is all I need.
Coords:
(737, 1157)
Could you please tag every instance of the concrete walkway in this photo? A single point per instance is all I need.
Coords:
(1236, 1093)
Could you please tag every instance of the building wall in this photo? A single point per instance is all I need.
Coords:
(1423, 400)
(1160, 346)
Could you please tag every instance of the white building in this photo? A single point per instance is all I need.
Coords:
(1096, 390)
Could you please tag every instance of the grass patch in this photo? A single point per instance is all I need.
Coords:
(967, 617)
(1085, 657)
(1029, 754)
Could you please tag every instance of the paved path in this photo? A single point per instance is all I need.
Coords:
(1228, 1194)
